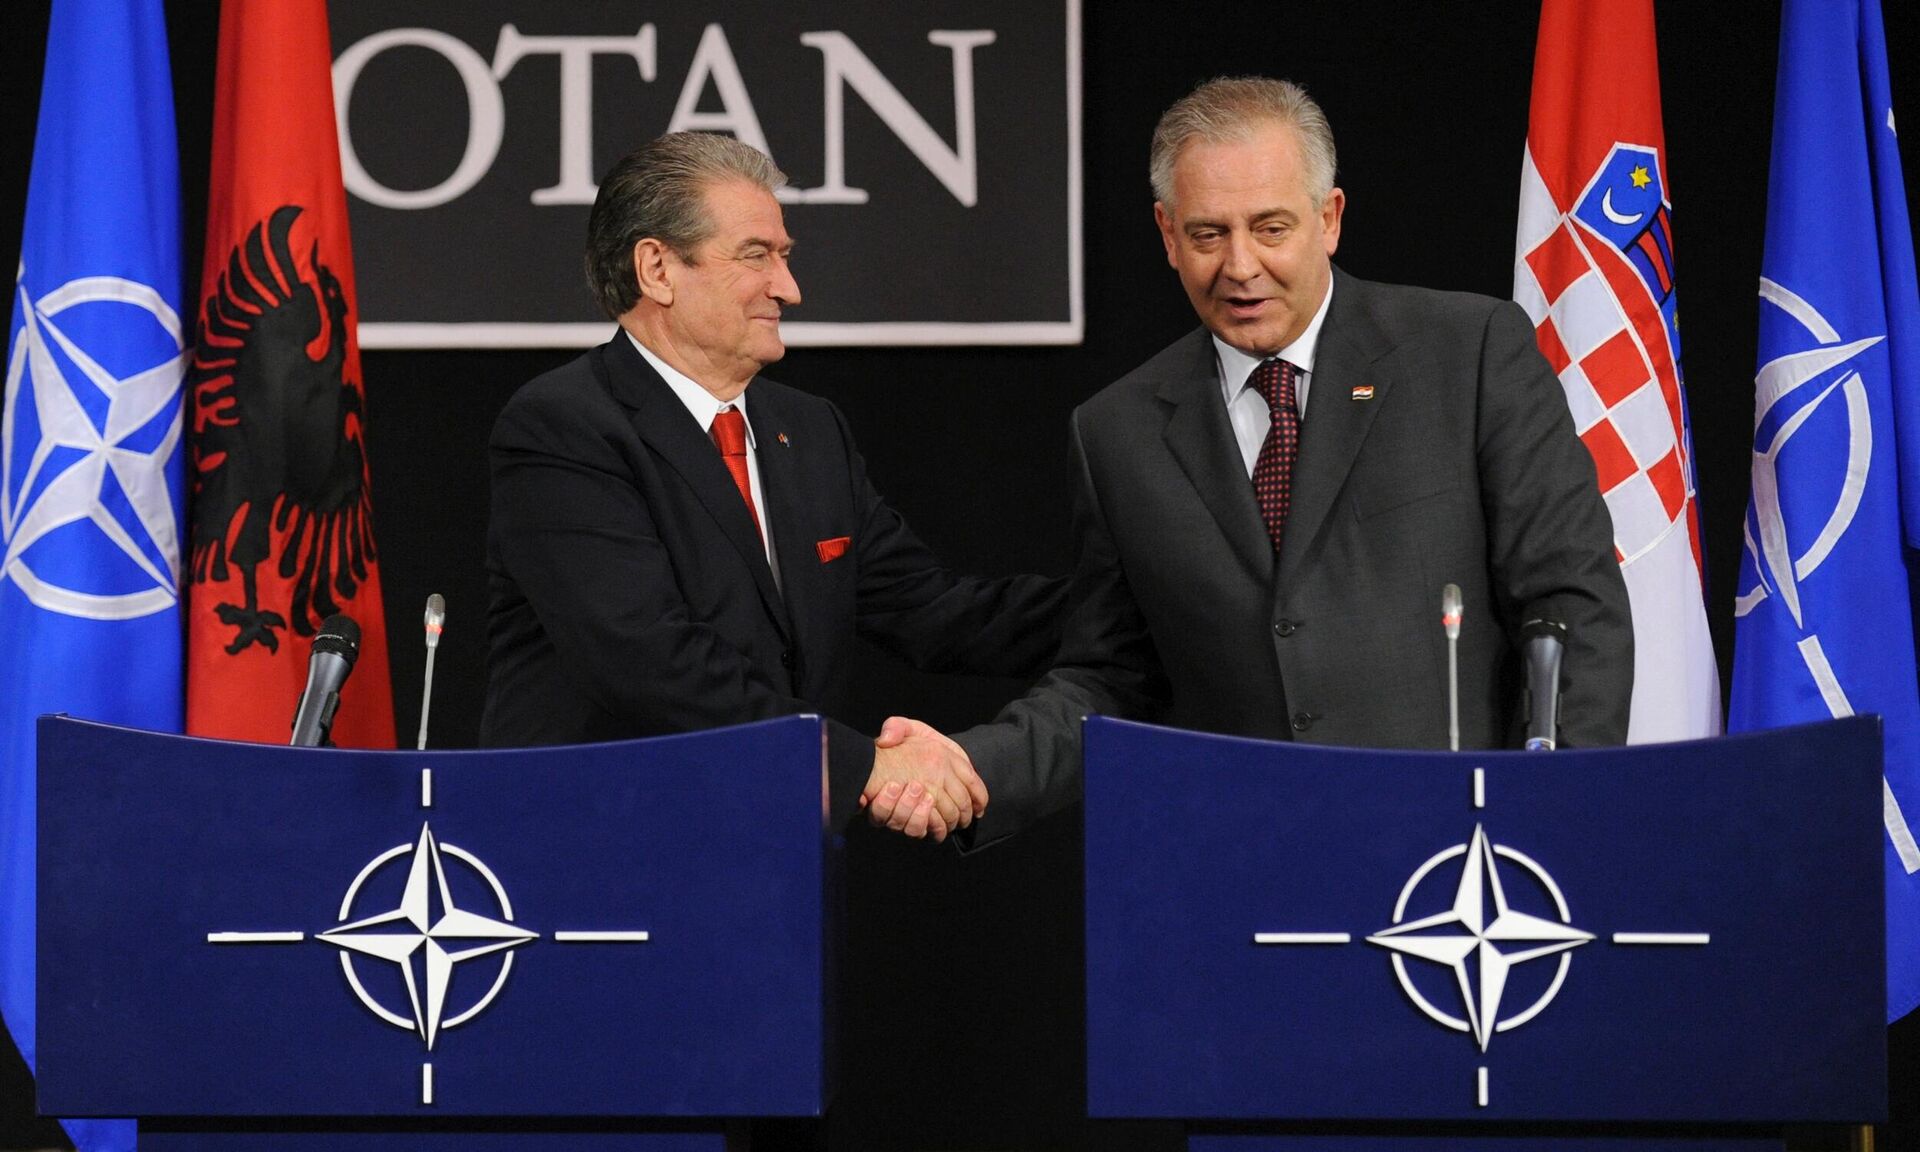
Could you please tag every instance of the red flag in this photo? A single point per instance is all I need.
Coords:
(282, 526)
(1594, 268)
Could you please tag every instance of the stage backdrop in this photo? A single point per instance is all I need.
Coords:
(963, 1021)
(933, 158)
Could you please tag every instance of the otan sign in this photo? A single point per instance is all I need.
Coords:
(933, 159)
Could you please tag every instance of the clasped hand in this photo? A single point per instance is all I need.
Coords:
(923, 784)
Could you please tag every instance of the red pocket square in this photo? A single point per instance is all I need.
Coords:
(831, 550)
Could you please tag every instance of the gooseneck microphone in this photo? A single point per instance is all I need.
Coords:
(1542, 644)
(436, 620)
(335, 647)
(1450, 612)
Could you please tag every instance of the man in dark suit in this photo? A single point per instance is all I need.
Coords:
(677, 543)
(1267, 510)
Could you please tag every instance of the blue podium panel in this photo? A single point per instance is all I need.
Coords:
(241, 930)
(1483, 1143)
(712, 1139)
(1687, 932)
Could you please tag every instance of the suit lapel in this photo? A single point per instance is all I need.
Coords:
(1201, 441)
(666, 426)
(783, 484)
(1336, 424)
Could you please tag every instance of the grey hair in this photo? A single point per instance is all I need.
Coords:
(1229, 108)
(659, 191)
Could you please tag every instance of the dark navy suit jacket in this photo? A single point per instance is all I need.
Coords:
(631, 596)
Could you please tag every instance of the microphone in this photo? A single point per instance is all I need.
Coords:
(335, 648)
(1450, 612)
(436, 620)
(1543, 642)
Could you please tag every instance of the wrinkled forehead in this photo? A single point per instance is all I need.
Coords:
(743, 212)
(1256, 170)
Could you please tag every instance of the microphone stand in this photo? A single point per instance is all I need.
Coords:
(1450, 614)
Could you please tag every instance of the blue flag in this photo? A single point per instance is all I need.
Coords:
(91, 456)
(1825, 617)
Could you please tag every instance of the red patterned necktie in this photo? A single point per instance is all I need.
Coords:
(1273, 471)
(730, 436)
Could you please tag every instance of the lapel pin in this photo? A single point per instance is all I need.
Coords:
(1363, 392)
(784, 442)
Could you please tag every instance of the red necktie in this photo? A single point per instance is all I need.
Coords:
(730, 436)
(1273, 471)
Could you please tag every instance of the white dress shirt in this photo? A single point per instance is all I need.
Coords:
(704, 406)
(1246, 408)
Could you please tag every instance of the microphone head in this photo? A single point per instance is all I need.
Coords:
(436, 617)
(1543, 626)
(340, 636)
(1450, 610)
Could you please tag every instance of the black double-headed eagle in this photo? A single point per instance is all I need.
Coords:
(278, 437)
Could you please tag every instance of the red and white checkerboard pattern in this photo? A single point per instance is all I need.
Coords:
(1631, 421)
(1619, 407)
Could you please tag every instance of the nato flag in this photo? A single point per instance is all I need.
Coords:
(90, 437)
(1825, 623)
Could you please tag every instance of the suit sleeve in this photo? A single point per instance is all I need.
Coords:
(1029, 756)
(910, 605)
(585, 553)
(1549, 535)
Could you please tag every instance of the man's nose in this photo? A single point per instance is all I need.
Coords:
(1240, 263)
(783, 287)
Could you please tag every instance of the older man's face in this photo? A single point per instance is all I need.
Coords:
(1252, 251)
(726, 302)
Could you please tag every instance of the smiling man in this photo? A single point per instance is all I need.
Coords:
(1267, 509)
(678, 543)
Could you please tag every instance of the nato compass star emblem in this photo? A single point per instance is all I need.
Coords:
(1481, 936)
(427, 934)
(88, 428)
(1790, 392)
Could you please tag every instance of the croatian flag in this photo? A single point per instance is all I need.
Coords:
(91, 473)
(1594, 269)
(1824, 619)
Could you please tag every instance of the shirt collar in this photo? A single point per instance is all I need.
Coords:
(702, 404)
(1236, 367)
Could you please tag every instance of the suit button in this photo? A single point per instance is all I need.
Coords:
(1284, 627)
(786, 659)
(1303, 721)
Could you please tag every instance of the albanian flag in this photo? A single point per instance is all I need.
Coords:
(282, 524)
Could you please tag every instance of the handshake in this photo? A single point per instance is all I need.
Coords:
(923, 784)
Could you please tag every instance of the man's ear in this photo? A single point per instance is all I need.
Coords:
(1164, 219)
(1331, 211)
(653, 269)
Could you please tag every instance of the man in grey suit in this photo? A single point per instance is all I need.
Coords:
(1267, 510)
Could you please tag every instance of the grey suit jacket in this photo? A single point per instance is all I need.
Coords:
(1460, 465)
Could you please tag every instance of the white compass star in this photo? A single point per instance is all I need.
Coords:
(79, 492)
(437, 939)
(1777, 380)
(1476, 954)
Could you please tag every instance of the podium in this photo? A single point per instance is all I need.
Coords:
(613, 946)
(1676, 946)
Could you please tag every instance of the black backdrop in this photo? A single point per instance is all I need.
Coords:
(961, 1004)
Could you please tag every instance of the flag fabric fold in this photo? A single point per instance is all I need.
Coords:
(1824, 619)
(91, 454)
(282, 524)
(1594, 269)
